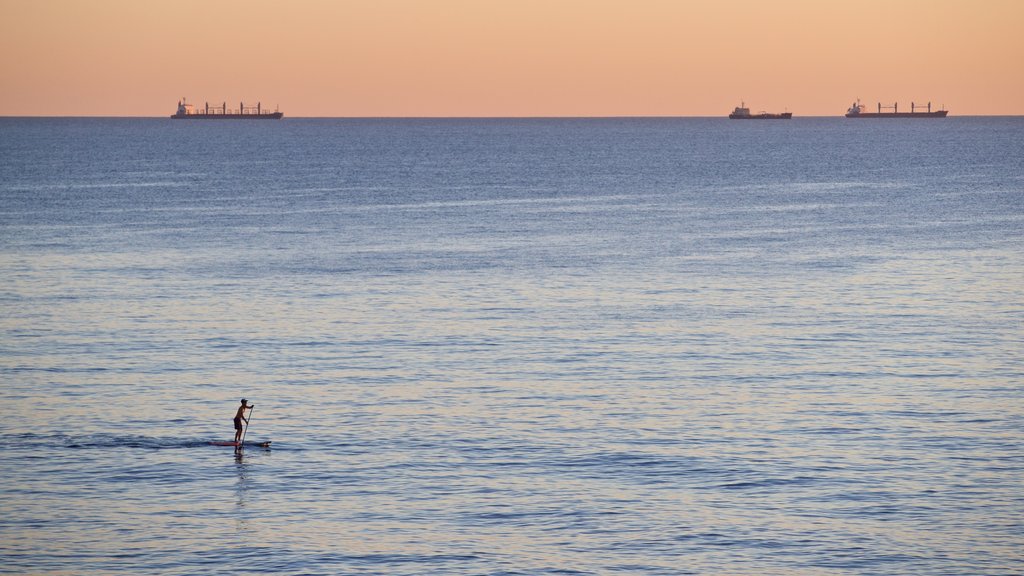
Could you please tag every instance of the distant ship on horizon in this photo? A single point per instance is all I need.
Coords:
(190, 112)
(741, 112)
(857, 111)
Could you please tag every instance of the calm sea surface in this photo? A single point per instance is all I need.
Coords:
(614, 346)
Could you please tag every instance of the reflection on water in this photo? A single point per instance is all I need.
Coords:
(241, 519)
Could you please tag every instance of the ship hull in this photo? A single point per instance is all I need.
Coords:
(783, 116)
(936, 114)
(273, 116)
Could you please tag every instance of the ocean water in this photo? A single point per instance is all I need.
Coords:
(551, 346)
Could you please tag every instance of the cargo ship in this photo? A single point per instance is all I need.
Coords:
(741, 112)
(857, 111)
(189, 112)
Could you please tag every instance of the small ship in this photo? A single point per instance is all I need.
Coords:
(857, 111)
(741, 112)
(189, 112)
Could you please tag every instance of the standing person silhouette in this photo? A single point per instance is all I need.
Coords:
(239, 416)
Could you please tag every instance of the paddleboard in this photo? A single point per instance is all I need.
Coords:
(258, 444)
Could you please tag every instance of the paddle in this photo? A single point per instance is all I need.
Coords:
(240, 444)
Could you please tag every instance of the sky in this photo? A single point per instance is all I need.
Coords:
(398, 58)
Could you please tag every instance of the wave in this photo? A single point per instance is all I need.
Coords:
(105, 441)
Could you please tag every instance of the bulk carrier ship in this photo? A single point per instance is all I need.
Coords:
(857, 111)
(189, 112)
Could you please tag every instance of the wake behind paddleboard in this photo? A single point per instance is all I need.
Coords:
(235, 444)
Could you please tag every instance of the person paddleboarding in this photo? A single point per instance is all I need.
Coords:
(241, 430)
(239, 416)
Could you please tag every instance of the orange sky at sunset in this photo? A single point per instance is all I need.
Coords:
(509, 57)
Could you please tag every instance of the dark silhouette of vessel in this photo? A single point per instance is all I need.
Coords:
(741, 112)
(857, 111)
(187, 111)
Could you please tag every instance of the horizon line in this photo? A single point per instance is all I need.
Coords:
(536, 117)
